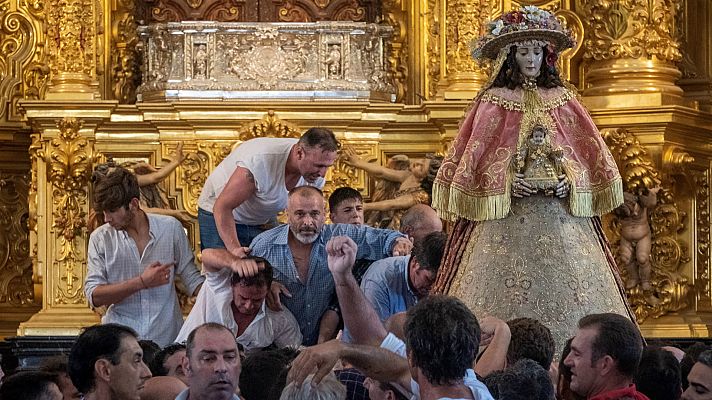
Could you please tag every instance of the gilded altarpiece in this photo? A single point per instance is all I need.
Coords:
(642, 68)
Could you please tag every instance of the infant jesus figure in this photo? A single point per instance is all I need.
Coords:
(539, 163)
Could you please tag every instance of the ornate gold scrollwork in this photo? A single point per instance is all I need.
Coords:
(702, 276)
(631, 29)
(269, 126)
(73, 31)
(16, 287)
(125, 72)
(395, 16)
(465, 18)
(669, 286)
(22, 54)
(69, 171)
(195, 172)
(433, 46)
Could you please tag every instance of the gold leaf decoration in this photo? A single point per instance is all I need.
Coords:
(69, 171)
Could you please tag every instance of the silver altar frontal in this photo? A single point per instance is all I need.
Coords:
(287, 61)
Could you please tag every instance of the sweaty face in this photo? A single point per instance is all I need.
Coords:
(248, 299)
(313, 162)
(584, 379)
(130, 374)
(174, 365)
(213, 368)
(421, 279)
(349, 211)
(306, 217)
(700, 379)
(529, 59)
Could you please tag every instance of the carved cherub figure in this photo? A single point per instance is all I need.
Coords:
(538, 164)
(636, 239)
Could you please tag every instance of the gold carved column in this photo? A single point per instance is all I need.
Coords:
(632, 47)
(62, 161)
(73, 46)
(463, 22)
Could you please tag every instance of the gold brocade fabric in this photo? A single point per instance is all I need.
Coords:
(539, 262)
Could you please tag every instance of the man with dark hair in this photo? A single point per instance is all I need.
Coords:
(212, 364)
(58, 365)
(238, 303)
(658, 375)
(395, 284)
(346, 206)
(133, 260)
(604, 357)
(700, 378)
(530, 339)
(169, 362)
(689, 360)
(30, 385)
(419, 221)
(297, 252)
(524, 380)
(106, 362)
(264, 373)
(244, 193)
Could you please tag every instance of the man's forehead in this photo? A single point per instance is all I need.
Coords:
(129, 344)
(214, 340)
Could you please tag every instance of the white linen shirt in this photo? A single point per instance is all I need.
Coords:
(214, 304)
(113, 258)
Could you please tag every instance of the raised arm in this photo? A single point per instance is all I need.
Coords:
(377, 171)
(375, 362)
(240, 187)
(360, 318)
(165, 170)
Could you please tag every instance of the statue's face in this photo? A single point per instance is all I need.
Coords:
(529, 58)
(538, 136)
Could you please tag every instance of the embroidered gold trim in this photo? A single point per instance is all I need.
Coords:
(512, 105)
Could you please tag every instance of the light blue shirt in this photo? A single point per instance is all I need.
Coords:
(184, 395)
(386, 286)
(310, 299)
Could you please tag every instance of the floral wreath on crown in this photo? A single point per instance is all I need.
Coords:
(528, 24)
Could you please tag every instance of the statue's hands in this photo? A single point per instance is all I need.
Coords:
(349, 156)
(520, 187)
(179, 157)
(562, 189)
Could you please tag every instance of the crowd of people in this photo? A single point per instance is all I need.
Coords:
(310, 310)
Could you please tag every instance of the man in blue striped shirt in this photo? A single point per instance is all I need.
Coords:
(297, 253)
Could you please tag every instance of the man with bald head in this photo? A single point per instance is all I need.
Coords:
(419, 221)
(297, 253)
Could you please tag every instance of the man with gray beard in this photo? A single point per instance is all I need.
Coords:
(297, 252)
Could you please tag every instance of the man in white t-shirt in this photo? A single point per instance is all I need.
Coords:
(244, 193)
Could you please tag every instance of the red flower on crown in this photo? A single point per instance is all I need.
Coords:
(551, 56)
(513, 17)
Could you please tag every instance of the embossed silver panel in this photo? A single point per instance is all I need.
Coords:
(223, 60)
